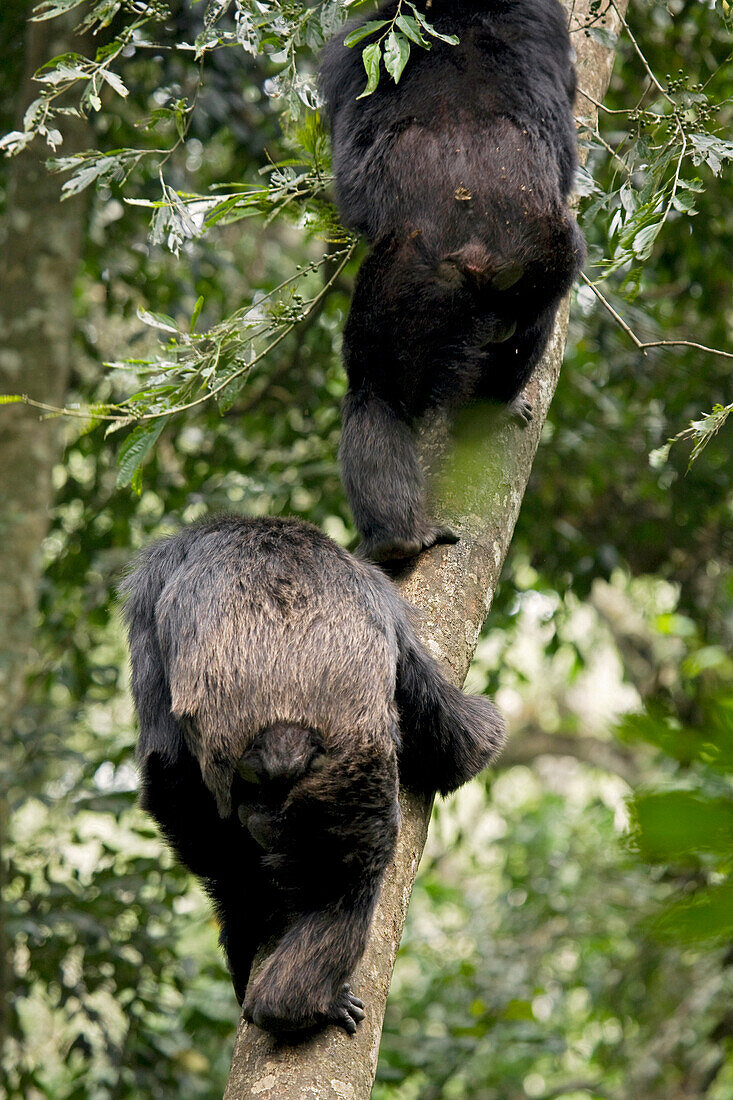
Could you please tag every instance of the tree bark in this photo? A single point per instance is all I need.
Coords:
(41, 245)
(484, 475)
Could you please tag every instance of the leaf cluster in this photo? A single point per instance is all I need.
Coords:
(391, 48)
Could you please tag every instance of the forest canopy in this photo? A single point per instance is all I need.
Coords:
(570, 932)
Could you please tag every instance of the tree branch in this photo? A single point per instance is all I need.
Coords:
(480, 492)
(642, 345)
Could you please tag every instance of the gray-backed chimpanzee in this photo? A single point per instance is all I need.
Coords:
(458, 177)
(280, 689)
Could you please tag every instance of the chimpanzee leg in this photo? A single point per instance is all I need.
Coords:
(389, 386)
(218, 851)
(509, 366)
(384, 480)
(336, 834)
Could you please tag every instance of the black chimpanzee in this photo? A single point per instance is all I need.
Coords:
(458, 176)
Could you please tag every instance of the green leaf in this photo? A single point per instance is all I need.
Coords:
(79, 181)
(33, 113)
(676, 826)
(371, 58)
(694, 184)
(712, 150)
(49, 9)
(643, 242)
(102, 13)
(135, 449)
(226, 397)
(396, 55)
(179, 118)
(214, 11)
(684, 203)
(451, 39)
(157, 320)
(584, 183)
(63, 67)
(118, 425)
(15, 141)
(332, 18)
(366, 29)
(706, 918)
(411, 28)
(196, 312)
(114, 82)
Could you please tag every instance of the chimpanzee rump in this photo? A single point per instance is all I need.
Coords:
(280, 689)
(458, 177)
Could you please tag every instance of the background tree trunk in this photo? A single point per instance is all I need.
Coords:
(40, 243)
(482, 483)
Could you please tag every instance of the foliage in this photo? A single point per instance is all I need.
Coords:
(700, 432)
(519, 976)
(215, 362)
(392, 46)
(583, 991)
(688, 823)
(674, 129)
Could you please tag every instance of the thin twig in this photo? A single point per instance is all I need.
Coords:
(132, 418)
(243, 370)
(642, 345)
(676, 180)
(615, 153)
(601, 106)
(642, 57)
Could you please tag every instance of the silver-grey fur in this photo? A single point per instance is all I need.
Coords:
(279, 683)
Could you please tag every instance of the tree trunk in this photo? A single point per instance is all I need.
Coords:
(40, 246)
(481, 488)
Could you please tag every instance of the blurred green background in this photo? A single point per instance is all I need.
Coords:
(571, 931)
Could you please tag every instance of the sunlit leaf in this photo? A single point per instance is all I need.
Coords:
(396, 55)
(371, 58)
(366, 29)
(135, 449)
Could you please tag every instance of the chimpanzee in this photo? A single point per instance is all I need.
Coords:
(282, 694)
(458, 176)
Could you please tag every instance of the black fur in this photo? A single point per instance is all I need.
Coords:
(280, 685)
(458, 177)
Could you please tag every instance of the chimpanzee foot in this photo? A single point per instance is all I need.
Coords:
(521, 409)
(281, 1019)
(347, 1011)
(390, 549)
(438, 535)
(401, 549)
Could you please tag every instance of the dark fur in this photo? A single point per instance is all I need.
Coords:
(280, 685)
(458, 177)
